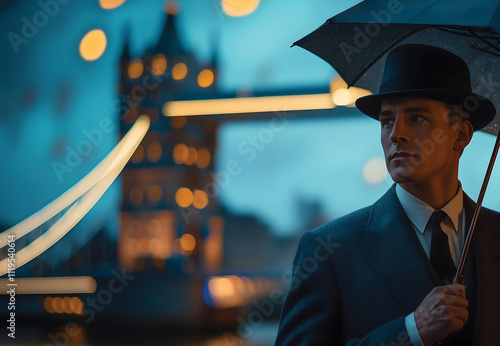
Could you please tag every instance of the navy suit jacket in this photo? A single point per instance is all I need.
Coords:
(357, 277)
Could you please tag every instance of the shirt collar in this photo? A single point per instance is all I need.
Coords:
(419, 212)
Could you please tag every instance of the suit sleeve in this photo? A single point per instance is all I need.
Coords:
(312, 310)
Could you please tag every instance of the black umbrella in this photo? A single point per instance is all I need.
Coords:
(356, 42)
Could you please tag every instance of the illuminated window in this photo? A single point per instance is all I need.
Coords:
(136, 195)
(200, 199)
(184, 197)
(205, 78)
(133, 247)
(154, 152)
(187, 242)
(154, 247)
(155, 193)
(155, 226)
(180, 153)
(93, 45)
(135, 68)
(203, 158)
(192, 156)
(179, 71)
(159, 64)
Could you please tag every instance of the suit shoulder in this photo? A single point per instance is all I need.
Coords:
(344, 227)
(492, 215)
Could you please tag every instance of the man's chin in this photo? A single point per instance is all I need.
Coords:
(402, 176)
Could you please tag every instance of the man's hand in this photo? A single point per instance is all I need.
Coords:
(443, 311)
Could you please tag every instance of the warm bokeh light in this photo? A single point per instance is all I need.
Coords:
(205, 78)
(200, 199)
(248, 105)
(187, 242)
(184, 197)
(375, 171)
(180, 153)
(135, 68)
(159, 64)
(66, 305)
(220, 287)
(231, 290)
(178, 122)
(336, 83)
(179, 71)
(154, 152)
(155, 193)
(239, 8)
(342, 97)
(77, 305)
(192, 156)
(239, 286)
(110, 4)
(93, 45)
(203, 158)
(57, 305)
(47, 304)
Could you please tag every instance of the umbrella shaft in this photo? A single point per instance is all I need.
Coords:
(465, 250)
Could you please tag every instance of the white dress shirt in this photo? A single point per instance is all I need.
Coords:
(453, 225)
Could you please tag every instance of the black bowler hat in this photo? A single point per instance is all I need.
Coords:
(416, 70)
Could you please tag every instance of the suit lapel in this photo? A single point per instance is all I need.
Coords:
(394, 252)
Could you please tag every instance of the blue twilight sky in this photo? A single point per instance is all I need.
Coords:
(49, 96)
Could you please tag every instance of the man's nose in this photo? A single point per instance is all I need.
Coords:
(399, 132)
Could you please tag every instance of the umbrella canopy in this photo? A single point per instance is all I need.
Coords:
(356, 41)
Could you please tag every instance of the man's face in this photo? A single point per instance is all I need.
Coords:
(418, 141)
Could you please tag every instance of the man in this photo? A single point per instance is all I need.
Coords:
(382, 275)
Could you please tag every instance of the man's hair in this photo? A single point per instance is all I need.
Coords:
(456, 116)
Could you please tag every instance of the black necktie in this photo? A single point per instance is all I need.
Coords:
(440, 250)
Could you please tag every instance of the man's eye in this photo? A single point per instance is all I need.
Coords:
(386, 122)
(417, 118)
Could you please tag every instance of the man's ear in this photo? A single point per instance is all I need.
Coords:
(464, 135)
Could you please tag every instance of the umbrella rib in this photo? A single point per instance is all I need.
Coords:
(474, 34)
